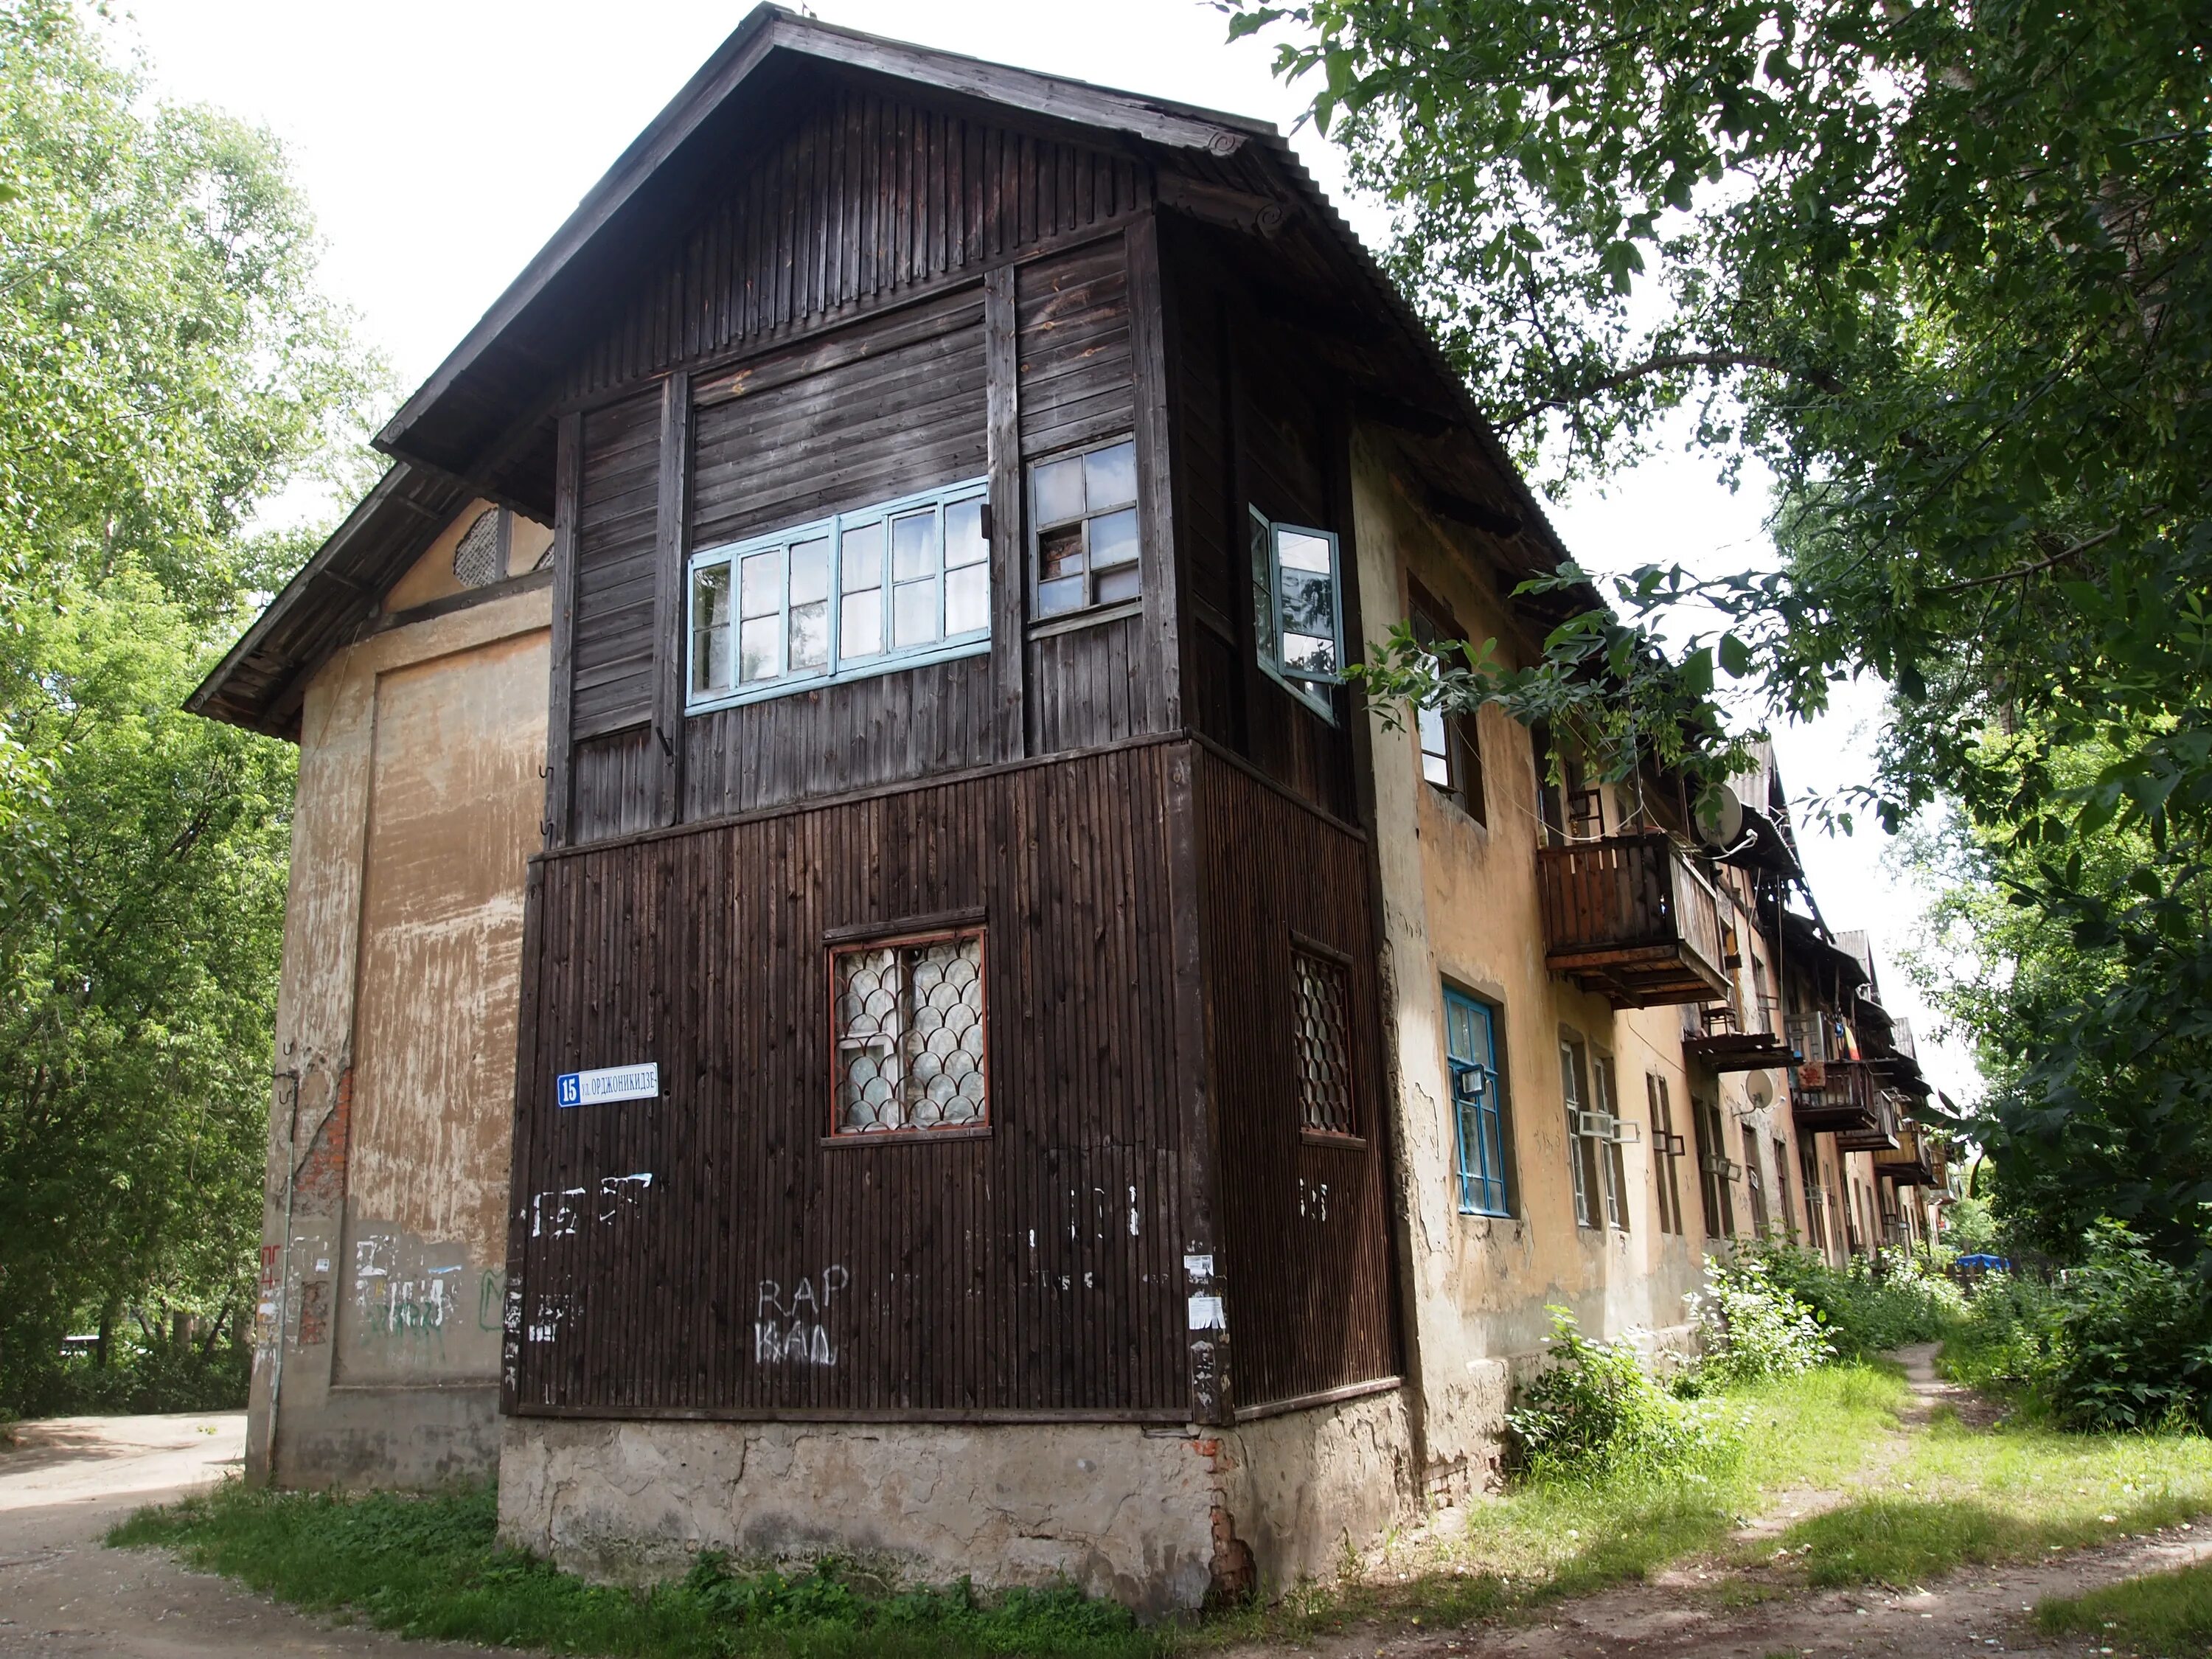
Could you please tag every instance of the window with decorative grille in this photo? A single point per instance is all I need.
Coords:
(1323, 1046)
(910, 1026)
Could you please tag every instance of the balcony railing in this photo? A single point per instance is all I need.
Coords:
(1911, 1162)
(1880, 1135)
(1629, 917)
(1743, 1034)
(1835, 1096)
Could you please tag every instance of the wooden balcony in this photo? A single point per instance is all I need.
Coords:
(1880, 1135)
(1628, 917)
(1910, 1164)
(1741, 1035)
(1835, 1096)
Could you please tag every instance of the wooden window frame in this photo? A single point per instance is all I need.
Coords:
(1667, 1149)
(1092, 610)
(1477, 1180)
(1455, 739)
(1713, 1168)
(1781, 1187)
(1754, 1182)
(906, 936)
(835, 670)
(1575, 1091)
(1315, 692)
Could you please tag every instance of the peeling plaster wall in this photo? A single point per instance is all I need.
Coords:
(1120, 1510)
(1160, 1519)
(384, 1243)
(1461, 904)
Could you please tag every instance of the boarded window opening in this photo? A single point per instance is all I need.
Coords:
(1323, 1044)
(480, 555)
(910, 1049)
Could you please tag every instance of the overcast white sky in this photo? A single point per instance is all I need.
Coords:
(442, 140)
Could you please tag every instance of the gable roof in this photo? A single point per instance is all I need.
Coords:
(482, 424)
(259, 682)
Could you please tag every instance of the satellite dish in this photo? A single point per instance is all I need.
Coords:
(1720, 817)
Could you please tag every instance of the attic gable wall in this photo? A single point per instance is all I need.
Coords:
(865, 198)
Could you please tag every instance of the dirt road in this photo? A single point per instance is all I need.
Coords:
(62, 1593)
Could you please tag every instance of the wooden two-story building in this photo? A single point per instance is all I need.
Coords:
(857, 975)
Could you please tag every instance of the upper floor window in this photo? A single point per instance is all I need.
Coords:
(1083, 534)
(858, 593)
(1298, 615)
(1451, 746)
(1478, 1104)
(910, 1023)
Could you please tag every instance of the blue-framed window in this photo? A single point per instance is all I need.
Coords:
(1478, 1104)
(887, 587)
(1298, 609)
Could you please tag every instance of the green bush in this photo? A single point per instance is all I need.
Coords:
(2001, 1343)
(1862, 1313)
(1595, 1411)
(2130, 1343)
(1752, 1328)
(157, 1378)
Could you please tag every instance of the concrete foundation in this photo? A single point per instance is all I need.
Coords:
(1160, 1519)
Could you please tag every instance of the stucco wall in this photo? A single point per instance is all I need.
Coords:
(1461, 905)
(384, 1249)
(1160, 1519)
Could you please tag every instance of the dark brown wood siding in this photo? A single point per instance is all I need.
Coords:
(1255, 424)
(612, 652)
(862, 199)
(1305, 1228)
(1035, 1270)
(793, 438)
(881, 730)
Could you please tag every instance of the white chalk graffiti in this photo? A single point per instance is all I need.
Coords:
(1313, 1200)
(556, 1211)
(553, 1312)
(795, 1330)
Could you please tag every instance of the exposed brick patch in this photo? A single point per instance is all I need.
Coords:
(1234, 1579)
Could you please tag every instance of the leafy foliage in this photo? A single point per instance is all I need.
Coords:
(1595, 1411)
(1944, 270)
(1752, 1327)
(165, 363)
(1860, 1312)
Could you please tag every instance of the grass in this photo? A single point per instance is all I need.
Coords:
(1557, 1538)
(430, 1568)
(1965, 1495)
(2167, 1613)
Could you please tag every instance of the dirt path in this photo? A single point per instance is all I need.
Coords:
(1685, 1610)
(62, 1593)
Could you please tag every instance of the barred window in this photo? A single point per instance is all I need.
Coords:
(1322, 1048)
(910, 1030)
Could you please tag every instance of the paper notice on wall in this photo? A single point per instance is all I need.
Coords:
(1206, 1313)
(1199, 1267)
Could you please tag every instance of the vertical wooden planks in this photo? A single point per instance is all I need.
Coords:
(1162, 656)
(668, 597)
(1009, 515)
(566, 490)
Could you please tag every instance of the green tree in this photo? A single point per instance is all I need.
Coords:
(166, 362)
(1941, 265)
